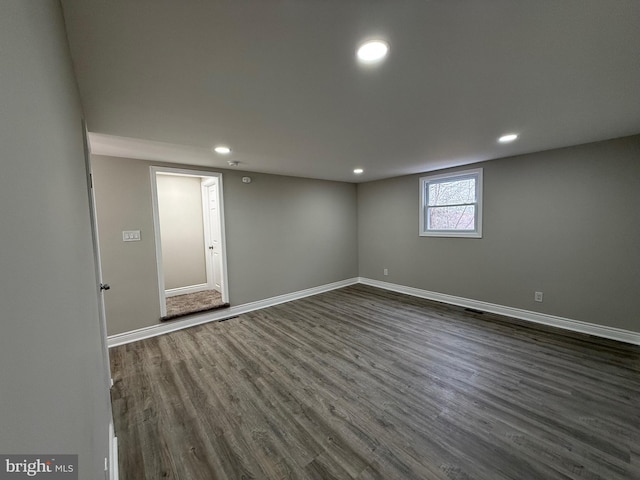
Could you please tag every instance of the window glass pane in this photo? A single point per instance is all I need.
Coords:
(452, 192)
(460, 218)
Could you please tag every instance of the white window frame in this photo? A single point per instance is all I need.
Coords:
(451, 177)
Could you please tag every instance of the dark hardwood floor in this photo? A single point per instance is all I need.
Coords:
(361, 383)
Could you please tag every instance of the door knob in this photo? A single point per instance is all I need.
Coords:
(105, 286)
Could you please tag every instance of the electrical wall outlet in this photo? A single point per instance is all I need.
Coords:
(386, 271)
(537, 296)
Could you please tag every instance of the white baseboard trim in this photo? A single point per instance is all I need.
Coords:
(113, 454)
(172, 292)
(222, 314)
(612, 333)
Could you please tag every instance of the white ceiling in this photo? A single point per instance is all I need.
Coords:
(278, 81)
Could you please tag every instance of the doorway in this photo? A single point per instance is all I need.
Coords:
(190, 241)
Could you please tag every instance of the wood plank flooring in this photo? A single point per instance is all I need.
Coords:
(361, 383)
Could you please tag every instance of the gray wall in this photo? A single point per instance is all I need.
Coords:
(181, 231)
(284, 234)
(565, 222)
(52, 391)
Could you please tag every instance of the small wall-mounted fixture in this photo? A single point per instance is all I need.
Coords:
(131, 235)
(246, 179)
(233, 163)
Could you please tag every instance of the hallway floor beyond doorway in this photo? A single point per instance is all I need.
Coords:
(198, 302)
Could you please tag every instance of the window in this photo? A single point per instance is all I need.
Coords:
(451, 204)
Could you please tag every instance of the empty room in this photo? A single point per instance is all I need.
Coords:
(318, 239)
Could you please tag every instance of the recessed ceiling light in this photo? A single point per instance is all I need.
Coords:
(510, 137)
(358, 171)
(222, 149)
(373, 51)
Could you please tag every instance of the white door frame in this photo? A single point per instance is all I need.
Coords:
(156, 226)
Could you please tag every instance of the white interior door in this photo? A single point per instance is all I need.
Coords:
(214, 248)
(100, 287)
(111, 463)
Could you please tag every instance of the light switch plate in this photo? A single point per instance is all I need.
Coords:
(131, 235)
